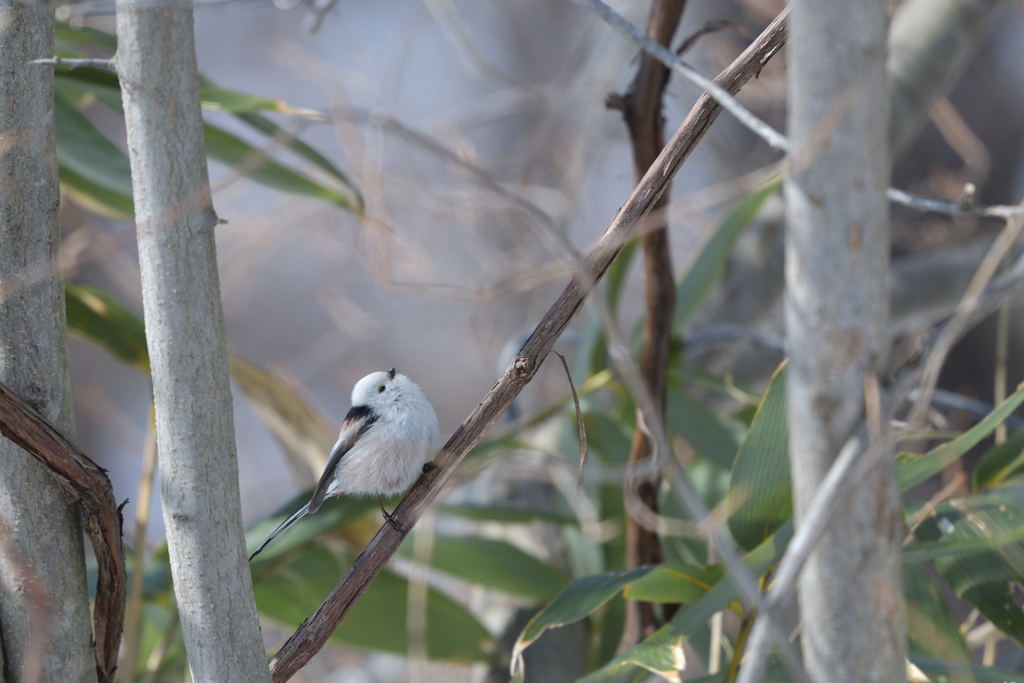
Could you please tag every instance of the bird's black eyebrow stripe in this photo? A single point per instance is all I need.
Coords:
(359, 412)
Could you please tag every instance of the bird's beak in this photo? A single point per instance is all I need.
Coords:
(391, 373)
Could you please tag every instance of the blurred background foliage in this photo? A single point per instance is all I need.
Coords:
(526, 572)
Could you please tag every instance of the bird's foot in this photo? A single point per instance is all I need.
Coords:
(428, 466)
(392, 522)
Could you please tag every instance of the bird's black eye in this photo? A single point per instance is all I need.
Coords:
(380, 389)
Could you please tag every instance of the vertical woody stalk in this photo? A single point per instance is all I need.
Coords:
(46, 532)
(185, 334)
(837, 264)
(641, 109)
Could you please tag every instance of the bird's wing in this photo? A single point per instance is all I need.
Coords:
(353, 427)
(296, 516)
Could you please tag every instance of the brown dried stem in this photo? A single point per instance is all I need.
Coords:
(641, 109)
(314, 632)
(85, 481)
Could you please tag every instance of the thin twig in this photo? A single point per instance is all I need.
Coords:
(951, 332)
(739, 647)
(314, 632)
(948, 208)
(87, 483)
(318, 10)
(950, 400)
(76, 63)
(454, 29)
(775, 139)
(581, 428)
(1001, 364)
(708, 28)
(772, 137)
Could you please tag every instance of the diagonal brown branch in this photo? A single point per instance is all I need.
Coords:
(314, 632)
(641, 108)
(85, 481)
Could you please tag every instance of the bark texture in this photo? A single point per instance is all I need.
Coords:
(837, 263)
(185, 334)
(46, 533)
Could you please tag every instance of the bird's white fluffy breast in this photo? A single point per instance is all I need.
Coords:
(391, 453)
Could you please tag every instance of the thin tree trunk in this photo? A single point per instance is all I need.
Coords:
(185, 334)
(46, 532)
(641, 109)
(837, 262)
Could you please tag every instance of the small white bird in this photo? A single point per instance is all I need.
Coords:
(386, 439)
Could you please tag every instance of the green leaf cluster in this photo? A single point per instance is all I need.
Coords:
(94, 169)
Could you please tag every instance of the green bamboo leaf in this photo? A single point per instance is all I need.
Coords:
(102, 84)
(89, 195)
(253, 163)
(657, 652)
(709, 433)
(379, 620)
(925, 551)
(608, 438)
(775, 672)
(264, 125)
(98, 317)
(1000, 463)
(707, 269)
(493, 564)
(680, 584)
(988, 568)
(760, 477)
(78, 37)
(911, 470)
(82, 85)
(86, 154)
(224, 146)
(695, 377)
(662, 655)
(580, 599)
(222, 99)
(932, 629)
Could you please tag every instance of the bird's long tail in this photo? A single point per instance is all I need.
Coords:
(296, 516)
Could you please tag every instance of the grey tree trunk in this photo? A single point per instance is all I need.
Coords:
(837, 263)
(45, 531)
(185, 334)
